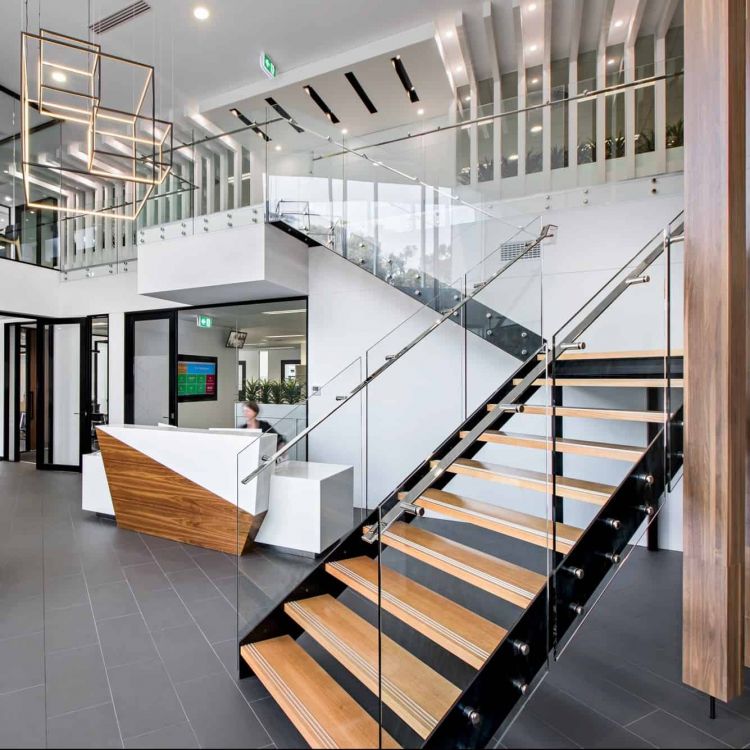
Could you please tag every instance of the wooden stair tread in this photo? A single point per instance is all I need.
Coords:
(575, 489)
(321, 710)
(499, 577)
(532, 529)
(563, 445)
(607, 382)
(467, 635)
(413, 690)
(627, 354)
(627, 415)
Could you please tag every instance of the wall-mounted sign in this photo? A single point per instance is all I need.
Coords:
(267, 65)
(204, 321)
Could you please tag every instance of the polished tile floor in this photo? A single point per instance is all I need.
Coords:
(110, 638)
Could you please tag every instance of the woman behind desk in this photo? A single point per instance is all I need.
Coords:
(250, 409)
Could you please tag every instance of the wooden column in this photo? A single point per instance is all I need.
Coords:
(715, 325)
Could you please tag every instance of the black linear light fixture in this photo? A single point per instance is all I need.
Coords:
(404, 78)
(361, 93)
(280, 110)
(313, 94)
(253, 126)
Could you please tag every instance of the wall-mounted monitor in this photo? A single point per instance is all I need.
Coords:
(236, 339)
(197, 377)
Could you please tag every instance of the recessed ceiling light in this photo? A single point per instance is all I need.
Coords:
(611, 61)
(344, 131)
(534, 80)
(513, 157)
(533, 48)
(619, 22)
(285, 336)
(201, 12)
(58, 76)
(277, 147)
(420, 111)
(536, 129)
(283, 312)
(448, 35)
(531, 7)
(467, 98)
(458, 68)
(8, 199)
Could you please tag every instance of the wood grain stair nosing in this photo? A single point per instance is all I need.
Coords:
(606, 382)
(449, 634)
(492, 519)
(315, 625)
(585, 412)
(313, 724)
(538, 484)
(452, 562)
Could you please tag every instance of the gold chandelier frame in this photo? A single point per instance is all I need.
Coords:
(143, 143)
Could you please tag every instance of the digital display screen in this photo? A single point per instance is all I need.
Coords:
(196, 378)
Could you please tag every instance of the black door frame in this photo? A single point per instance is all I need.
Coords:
(130, 321)
(44, 426)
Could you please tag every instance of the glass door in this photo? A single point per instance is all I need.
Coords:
(150, 366)
(62, 413)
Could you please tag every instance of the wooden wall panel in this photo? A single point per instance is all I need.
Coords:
(151, 498)
(715, 320)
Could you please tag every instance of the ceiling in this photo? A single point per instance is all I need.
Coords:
(261, 326)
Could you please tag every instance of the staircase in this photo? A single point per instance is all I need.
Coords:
(428, 624)
(295, 218)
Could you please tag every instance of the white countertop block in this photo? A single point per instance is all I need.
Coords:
(310, 506)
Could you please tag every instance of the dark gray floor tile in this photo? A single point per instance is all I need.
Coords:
(125, 640)
(62, 564)
(162, 609)
(193, 585)
(216, 618)
(529, 731)
(69, 628)
(21, 662)
(277, 725)
(144, 698)
(145, 577)
(253, 603)
(112, 600)
(179, 735)
(100, 569)
(186, 653)
(664, 730)
(94, 727)
(579, 723)
(156, 542)
(219, 715)
(216, 565)
(22, 718)
(21, 616)
(19, 582)
(64, 591)
(75, 679)
(172, 559)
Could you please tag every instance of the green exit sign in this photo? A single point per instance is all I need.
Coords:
(205, 321)
(267, 65)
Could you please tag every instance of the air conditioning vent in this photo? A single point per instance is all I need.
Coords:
(511, 250)
(124, 14)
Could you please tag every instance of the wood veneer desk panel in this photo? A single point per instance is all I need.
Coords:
(183, 484)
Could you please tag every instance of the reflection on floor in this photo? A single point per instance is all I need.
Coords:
(112, 639)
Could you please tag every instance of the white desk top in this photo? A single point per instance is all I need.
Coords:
(307, 470)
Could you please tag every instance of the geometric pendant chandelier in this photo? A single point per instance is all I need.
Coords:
(108, 129)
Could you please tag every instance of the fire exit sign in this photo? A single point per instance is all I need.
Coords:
(205, 321)
(267, 65)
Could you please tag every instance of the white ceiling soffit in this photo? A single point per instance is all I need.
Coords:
(379, 80)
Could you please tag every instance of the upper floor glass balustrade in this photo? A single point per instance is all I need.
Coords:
(427, 198)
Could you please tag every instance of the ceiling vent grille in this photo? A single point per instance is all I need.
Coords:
(124, 14)
(511, 250)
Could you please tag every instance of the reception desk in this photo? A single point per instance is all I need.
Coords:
(182, 484)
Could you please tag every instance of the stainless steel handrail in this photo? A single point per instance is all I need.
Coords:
(547, 230)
